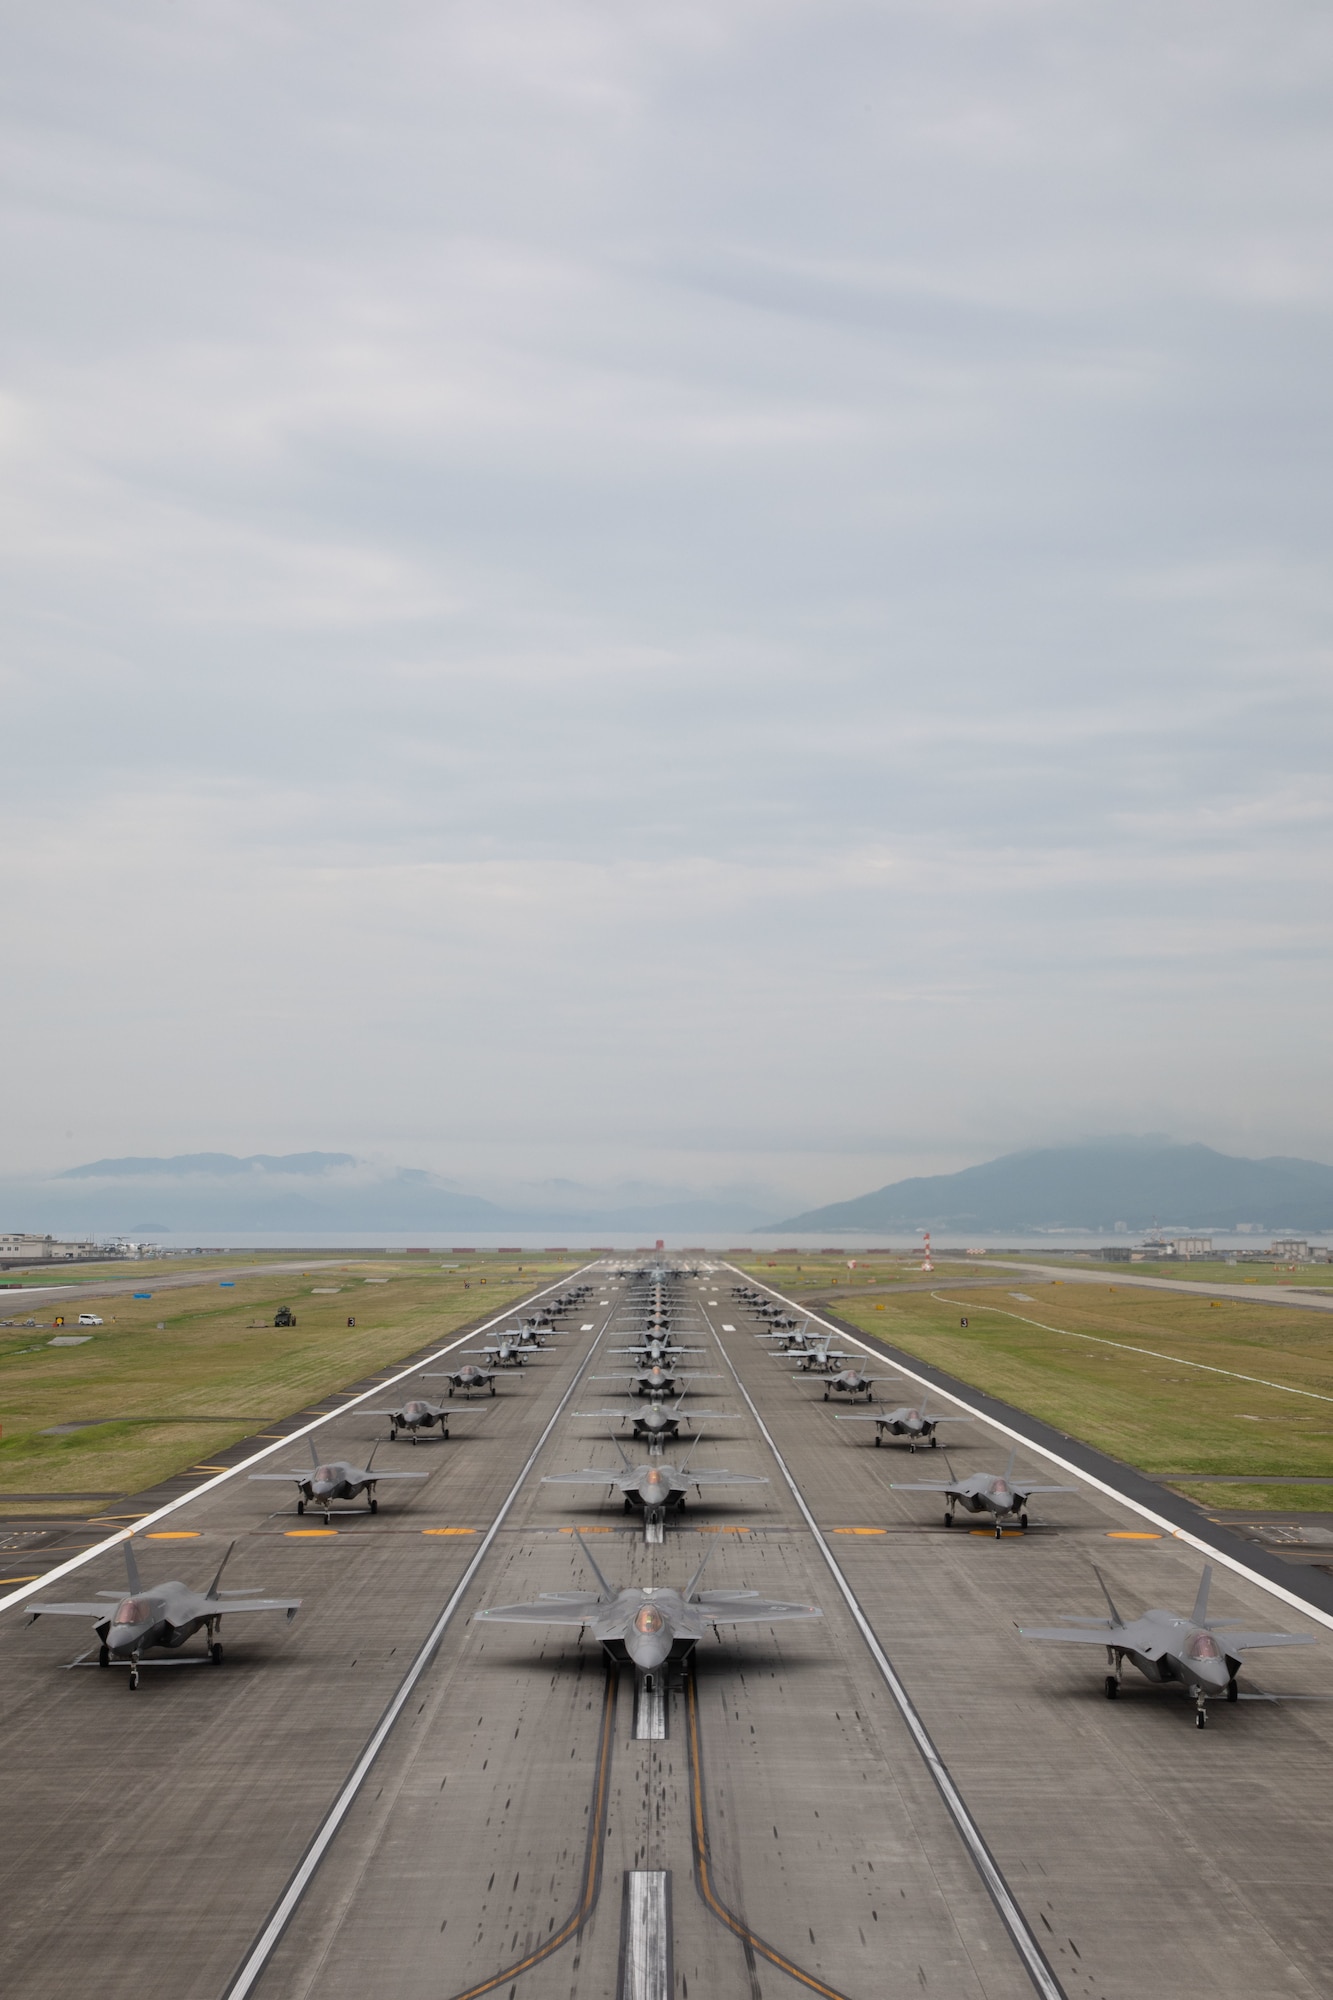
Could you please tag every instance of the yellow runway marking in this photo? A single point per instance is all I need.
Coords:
(1131, 1535)
(210, 1468)
(991, 1531)
(449, 1531)
(860, 1531)
(173, 1535)
(293, 1534)
(24, 1579)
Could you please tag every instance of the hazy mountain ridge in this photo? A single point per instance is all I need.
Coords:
(1138, 1184)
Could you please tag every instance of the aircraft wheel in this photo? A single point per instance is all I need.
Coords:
(300, 1506)
(1233, 1692)
(492, 1388)
(374, 1506)
(104, 1656)
(876, 1440)
(999, 1532)
(134, 1677)
(934, 1442)
(948, 1520)
(215, 1652)
(1022, 1520)
(826, 1395)
(1200, 1718)
(1111, 1687)
(393, 1437)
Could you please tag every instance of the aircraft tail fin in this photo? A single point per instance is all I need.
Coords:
(212, 1590)
(602, 1583)
(373, 1449)
(1199, 1615)
(314, 1455)
(624, 1460)
(1116, 1619)
(132, 1568)
(1008, 1470)
(952, 1474)
(693, 1584)
(690, 1453)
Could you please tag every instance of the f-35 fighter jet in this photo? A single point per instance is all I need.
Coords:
(657, 1380)
(1165, 1647)
(916, 1425)
(850, 1382)
(656, 1487)
(507, 1351)
(466, 1379)
(166, 1615)
(995, 1493)
(656, 1421)
(417, 1414)
(337, 1480)
(648, 1624)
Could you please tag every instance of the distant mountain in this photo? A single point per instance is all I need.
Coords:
(210, 1163)
(1136, 1183)
(298, 1194)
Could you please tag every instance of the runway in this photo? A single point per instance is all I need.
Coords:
(492, 1822)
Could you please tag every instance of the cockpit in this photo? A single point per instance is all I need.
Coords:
(326, 1475)
(133, 1611)
(1203, 1646)
(648, 1620)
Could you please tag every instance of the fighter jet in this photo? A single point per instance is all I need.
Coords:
(335, 1481)
(656, 1487)
(415, 1415)
(656, 1421)
(851, 1382)
(647, 1624)
(915, 1425)
(164, 1616)
(817, 1357)
(506, 1352)
(465, 1379)
(1165, 1647)
(656, 1381)
(655, 1351)
(802, 1341)
(993, 1493)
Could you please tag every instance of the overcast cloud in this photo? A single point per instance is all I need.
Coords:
(724, 594)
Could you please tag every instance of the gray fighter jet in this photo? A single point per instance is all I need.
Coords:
(655, 1351)
(1165, 1647)
(465, 1380)
(165, 1616)
(819, 1358)
(648, 1624)
(916, 1425)
(656, 1381)
(656, 1487)
(507, 1351)
(336, 1480)
(417, 1414)
(850, 1382)
(656, 1421)
(799, 1342)
(995, 1493)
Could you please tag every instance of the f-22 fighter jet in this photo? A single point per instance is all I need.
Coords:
(166, 1615)
(337, 1480)
(1165, 1647)
(995, 1493)
(648, 1624)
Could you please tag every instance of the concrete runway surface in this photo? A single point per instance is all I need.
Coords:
(901, 1798)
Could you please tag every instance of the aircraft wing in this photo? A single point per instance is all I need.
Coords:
(291, 1605)
(38, 1610)
(1105, 1635)
(725, 1479)
(589, 1477)
(923, 1486)
(1244, 1642)
(744, 1607)
(574, 1608)
(300, 1477)
(371, 1475)
(1021, 1486)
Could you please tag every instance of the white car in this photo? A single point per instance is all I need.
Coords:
(90, 1319)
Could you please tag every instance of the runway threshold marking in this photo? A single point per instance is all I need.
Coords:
(252, 1967)
(257, 1457)
(1145, 1513)
(1011, 1916)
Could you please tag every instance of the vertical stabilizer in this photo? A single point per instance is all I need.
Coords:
(1199, 1615)
(213, 1586)
(1116, 1619)
(132, 1569)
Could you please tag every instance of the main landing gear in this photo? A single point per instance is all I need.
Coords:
(215, 1652)
(300, 1506)
(374, 1506)
(1111, 1687)
(104, 1655)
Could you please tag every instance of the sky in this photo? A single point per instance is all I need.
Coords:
(725, 597)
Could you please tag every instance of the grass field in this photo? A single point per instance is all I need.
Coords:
(1070, 1358)
(160, 1397)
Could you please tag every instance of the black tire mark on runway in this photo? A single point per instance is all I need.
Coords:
(754, 1945)
(592, 1860)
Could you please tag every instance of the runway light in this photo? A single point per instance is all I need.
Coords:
(1131, 1535)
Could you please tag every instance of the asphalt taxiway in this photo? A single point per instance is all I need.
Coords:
(903, 1797)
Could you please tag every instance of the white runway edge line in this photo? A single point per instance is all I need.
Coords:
(262, 1949)
(256, 1458)
(1034, 1959)
(1144, 1513)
